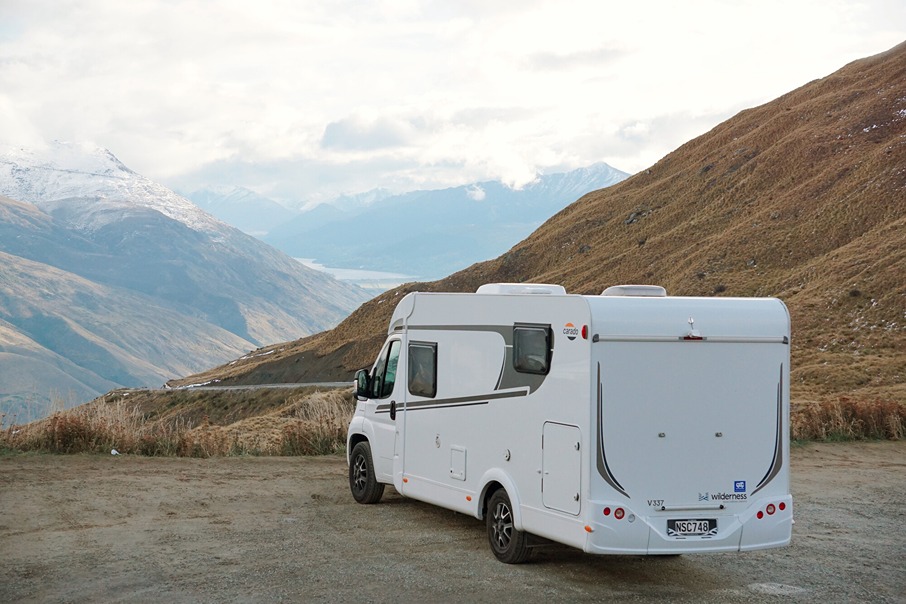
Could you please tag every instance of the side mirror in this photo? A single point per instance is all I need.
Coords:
(361, 384)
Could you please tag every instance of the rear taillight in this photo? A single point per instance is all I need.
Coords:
(770, 510)
(618, 513)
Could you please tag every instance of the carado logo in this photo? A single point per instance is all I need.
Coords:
(570, 331)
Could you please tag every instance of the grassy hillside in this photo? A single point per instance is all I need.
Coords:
(803, 198)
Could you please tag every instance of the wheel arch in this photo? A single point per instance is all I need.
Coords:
(359, 430)
(352, 440)
(494, 480)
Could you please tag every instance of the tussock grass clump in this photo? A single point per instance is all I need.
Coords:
(311, 424)
(97, 427)
(81, 429)
(318, 426)
(847, 419)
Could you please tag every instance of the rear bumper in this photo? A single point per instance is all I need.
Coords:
(741, 530)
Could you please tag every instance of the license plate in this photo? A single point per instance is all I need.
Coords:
(692, 528)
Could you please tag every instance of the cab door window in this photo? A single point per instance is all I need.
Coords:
(384, 375)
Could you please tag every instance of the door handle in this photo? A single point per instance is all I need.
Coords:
(393, 410)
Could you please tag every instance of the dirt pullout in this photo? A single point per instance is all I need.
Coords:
(126, 529)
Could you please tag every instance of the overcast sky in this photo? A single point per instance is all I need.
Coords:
(303, 100)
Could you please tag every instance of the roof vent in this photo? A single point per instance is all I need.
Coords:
(645, 291)
(521, 288)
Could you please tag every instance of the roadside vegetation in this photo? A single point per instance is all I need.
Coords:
(310, 423)
(848, 419)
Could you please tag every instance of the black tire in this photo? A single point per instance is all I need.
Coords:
(362, 480)
(508, 544)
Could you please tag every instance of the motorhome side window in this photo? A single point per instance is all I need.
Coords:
(423, 369)
(532, 349)
(384, 375)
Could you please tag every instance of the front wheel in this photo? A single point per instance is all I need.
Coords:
(507, 543)
(362, 481)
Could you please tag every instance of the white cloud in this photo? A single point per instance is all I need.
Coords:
(312, 99)
(16, 131)
(476, 193)
(358, 134)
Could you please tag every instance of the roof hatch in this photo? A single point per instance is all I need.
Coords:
(645, 291)
(521, 288)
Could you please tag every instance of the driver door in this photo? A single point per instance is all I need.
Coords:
(384, 408)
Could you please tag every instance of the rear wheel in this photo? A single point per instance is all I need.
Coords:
(507, 543)
(362, 481)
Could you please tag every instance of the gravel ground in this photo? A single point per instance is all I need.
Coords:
(130, 529)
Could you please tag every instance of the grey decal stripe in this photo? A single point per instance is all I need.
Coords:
(432, 407)
(507, 354)
(453, 402)
(777, 462)
(603, 468)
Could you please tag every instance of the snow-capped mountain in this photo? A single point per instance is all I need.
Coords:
(353, 203)
(576, 183)
(69, 171)
(110, 278)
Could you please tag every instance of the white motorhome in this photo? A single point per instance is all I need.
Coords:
(627, 423)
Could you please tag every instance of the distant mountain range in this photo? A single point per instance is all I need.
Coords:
(424, 234)
(109, 279)
(242, 208)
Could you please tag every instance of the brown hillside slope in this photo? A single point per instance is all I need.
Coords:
(801, 198)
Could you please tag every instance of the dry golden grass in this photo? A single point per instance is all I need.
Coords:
(96, 427)
(308, 424)
(846, 419)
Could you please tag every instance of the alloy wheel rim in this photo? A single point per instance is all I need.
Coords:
(360, 473)
(502, 526)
